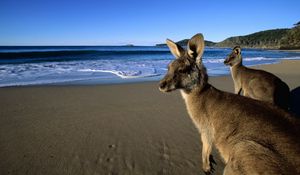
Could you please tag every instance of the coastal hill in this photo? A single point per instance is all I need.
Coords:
(292, 39)
(268, 39)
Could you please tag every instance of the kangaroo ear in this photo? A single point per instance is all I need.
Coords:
(195, 47)
(237, 50)
(175, 49)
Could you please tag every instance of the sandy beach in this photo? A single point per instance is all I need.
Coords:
(106, 129)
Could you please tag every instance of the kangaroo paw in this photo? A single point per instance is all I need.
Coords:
(209, 172)
(209, 169)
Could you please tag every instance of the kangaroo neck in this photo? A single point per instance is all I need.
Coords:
(198, 90)
(235, 69)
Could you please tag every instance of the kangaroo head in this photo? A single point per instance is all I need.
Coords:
(186, 71)
(234, 57)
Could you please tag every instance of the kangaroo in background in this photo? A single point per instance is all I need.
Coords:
(252, 137)
(257, 84)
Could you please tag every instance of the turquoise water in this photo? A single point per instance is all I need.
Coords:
(34, 65)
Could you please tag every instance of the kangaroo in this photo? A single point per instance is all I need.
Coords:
(257, 84)
(251, 136)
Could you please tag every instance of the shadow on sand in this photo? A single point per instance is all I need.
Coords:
(295, 101)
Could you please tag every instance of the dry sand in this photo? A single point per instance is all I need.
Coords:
(105, 129)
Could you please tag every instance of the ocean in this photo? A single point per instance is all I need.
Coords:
(36, 65)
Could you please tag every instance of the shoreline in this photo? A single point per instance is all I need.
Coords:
(95, 82)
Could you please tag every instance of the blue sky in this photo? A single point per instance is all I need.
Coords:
(118, 22)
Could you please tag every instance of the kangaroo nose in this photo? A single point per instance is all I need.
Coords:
(162, 84)
(225, 61)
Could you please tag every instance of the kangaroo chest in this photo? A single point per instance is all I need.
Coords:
(204, 122)
(234, 73)
(194, 111)
(186, 97)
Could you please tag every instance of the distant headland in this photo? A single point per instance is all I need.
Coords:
(288, 38)
(129, 45)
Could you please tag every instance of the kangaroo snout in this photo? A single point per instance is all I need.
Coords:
(162, 85)
(165, 85)
(226, 62)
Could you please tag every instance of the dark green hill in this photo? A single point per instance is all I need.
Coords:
(292, 39)
(270, 39)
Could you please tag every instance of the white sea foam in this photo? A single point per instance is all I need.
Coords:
(57, 72)
(213, 60)
(291, 58)
(123, 74)
(258, 59)
(221, 60)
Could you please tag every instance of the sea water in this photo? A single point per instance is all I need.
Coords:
(35, 65)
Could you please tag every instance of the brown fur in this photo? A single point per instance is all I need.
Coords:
(252, 137)
(257, 84)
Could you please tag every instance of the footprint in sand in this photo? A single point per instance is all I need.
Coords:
(112, 146)
(165, 156)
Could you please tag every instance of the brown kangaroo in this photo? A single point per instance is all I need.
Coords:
(257, 84)
(251, 136)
